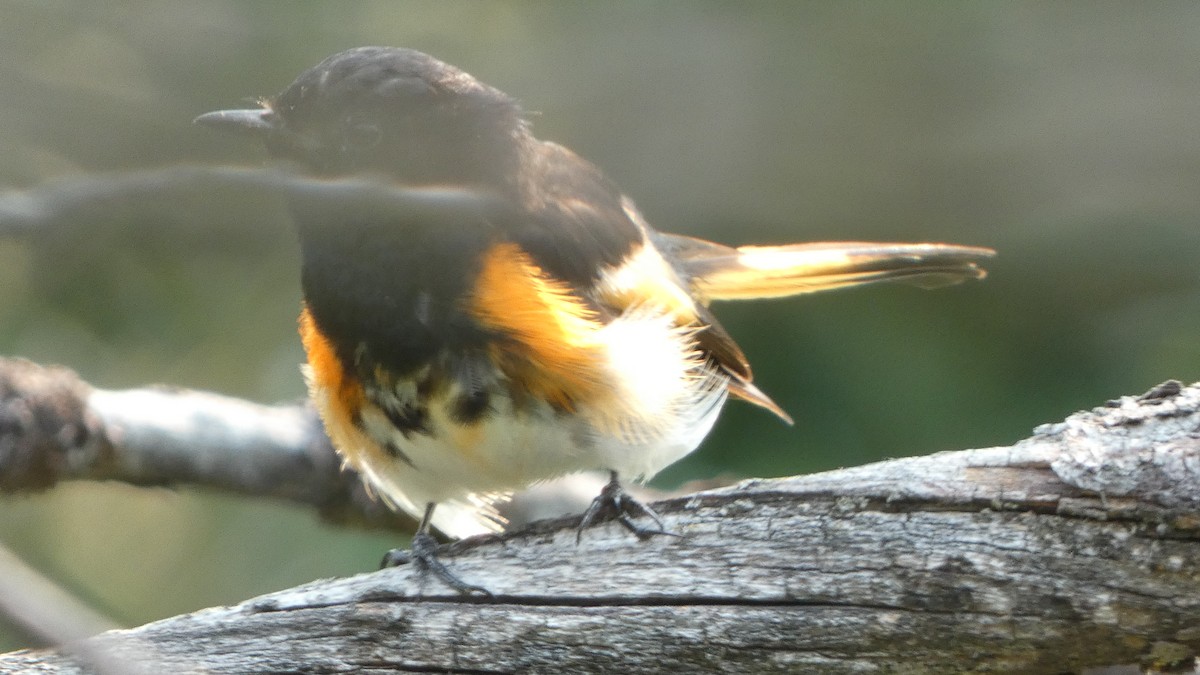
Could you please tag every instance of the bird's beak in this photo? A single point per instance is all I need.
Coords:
(259, 122)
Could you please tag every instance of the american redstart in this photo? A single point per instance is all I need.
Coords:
(461, 352)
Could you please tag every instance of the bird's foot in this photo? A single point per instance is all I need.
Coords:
(423, 553)
(614, 502)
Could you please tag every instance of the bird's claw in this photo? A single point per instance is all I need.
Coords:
(614, 502)
(423, 553)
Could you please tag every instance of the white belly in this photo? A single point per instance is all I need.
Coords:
(464, 469)
(665, 400)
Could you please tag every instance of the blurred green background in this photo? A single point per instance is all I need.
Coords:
(1066, 135)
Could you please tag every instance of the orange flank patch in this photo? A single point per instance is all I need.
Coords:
(345, 394)
(553, 353)
(340, 398)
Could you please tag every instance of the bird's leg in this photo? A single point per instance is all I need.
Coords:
(422, 552)
(614, 502)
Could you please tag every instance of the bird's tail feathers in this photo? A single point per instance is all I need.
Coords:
(723, 273)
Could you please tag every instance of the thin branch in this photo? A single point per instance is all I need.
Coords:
(54, 616)
(43, 609)
(131, 194)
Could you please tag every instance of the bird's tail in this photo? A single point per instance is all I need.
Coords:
(718, 272)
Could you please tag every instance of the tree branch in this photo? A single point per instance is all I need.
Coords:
(1077, 547)
(55, 427)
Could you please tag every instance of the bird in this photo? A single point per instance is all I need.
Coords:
(523, 320)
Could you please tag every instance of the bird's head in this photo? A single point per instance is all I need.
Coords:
(390, 111)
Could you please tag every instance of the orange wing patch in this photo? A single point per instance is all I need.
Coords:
(554, 353)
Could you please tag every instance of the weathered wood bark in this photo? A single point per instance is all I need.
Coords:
(1077, 547)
